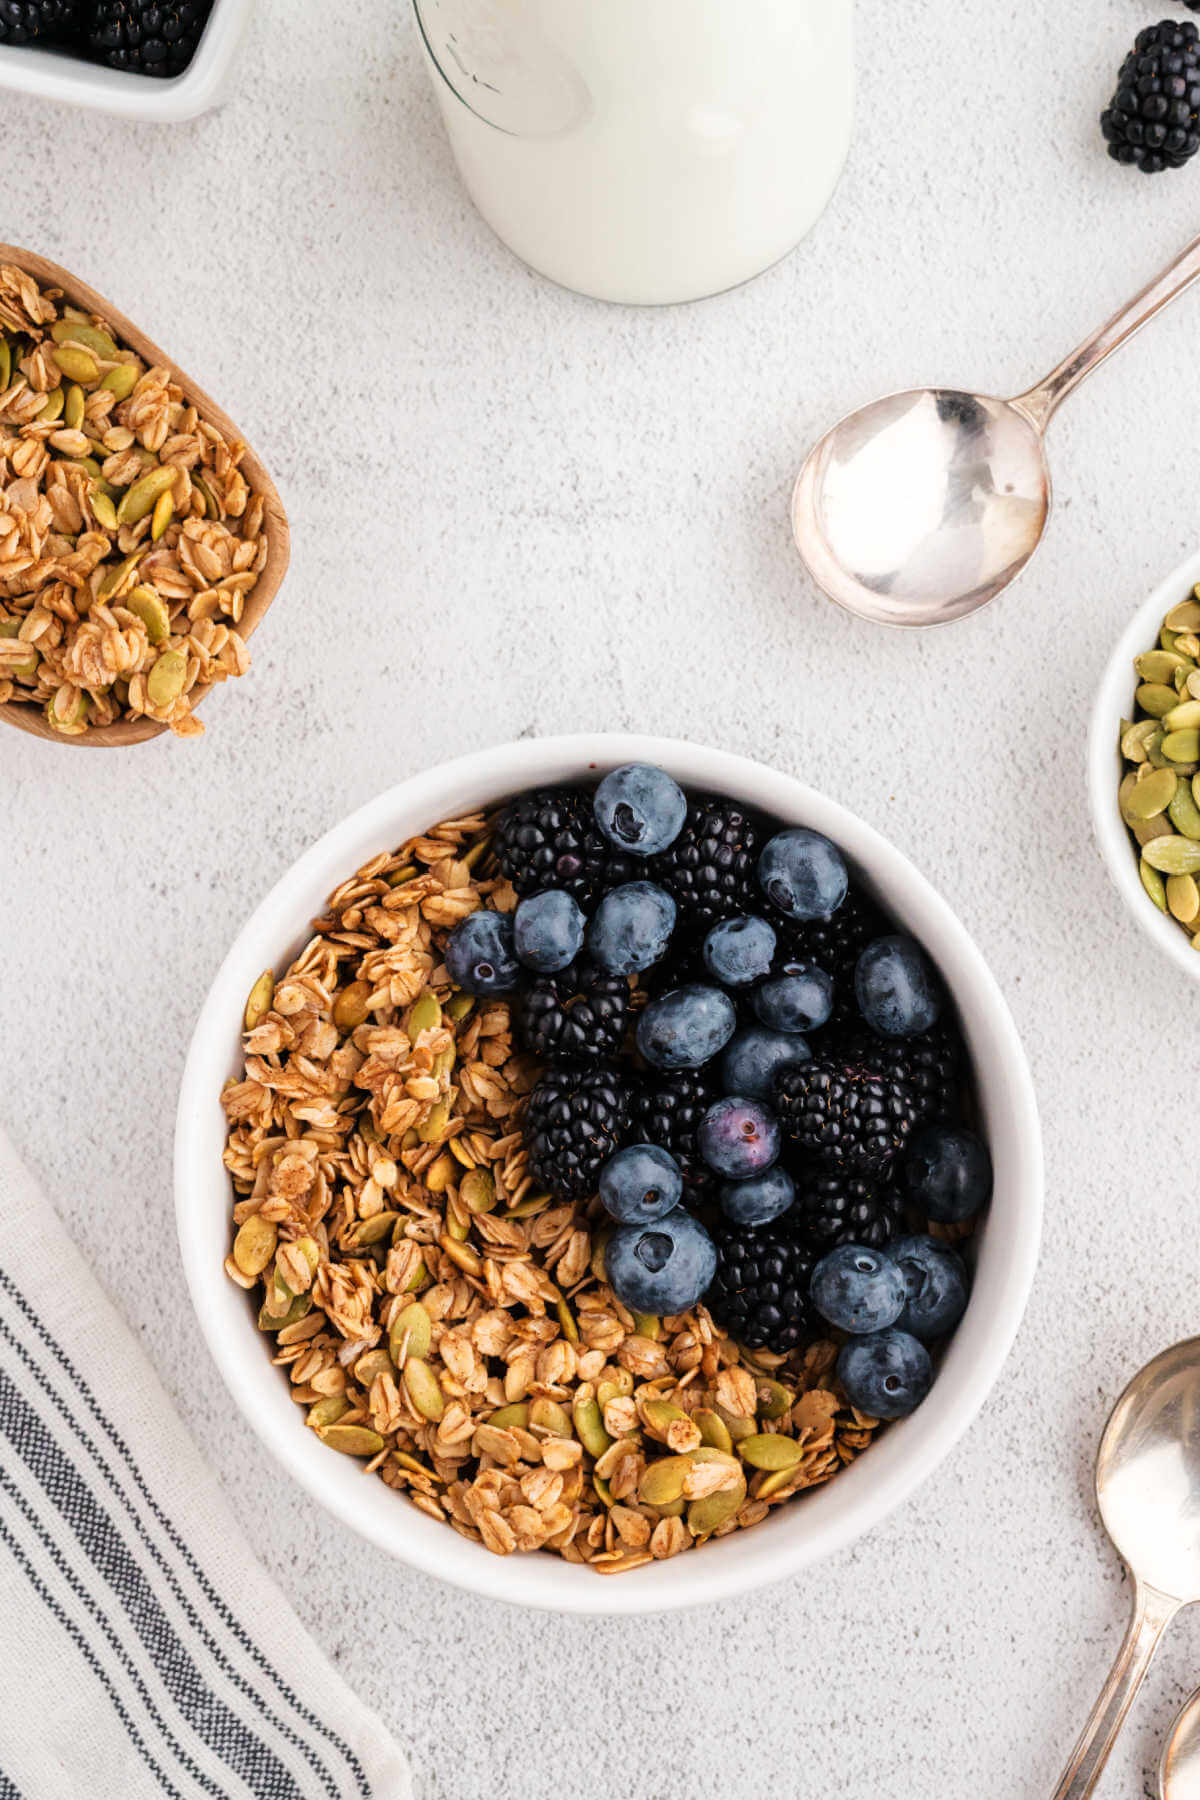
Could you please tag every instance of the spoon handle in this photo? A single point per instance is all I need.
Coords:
(1042, 401)
(1152, 1613)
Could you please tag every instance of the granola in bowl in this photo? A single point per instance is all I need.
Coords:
(130, 538)
(440, 1312)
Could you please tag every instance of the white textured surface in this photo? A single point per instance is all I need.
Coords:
(515, 511)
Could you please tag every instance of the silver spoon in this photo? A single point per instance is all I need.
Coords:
(1179, 1770)
(1148, 1489)
(919, 508)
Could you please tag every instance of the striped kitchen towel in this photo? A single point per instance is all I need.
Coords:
(146, 1652)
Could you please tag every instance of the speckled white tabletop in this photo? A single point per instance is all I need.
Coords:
(515, 511)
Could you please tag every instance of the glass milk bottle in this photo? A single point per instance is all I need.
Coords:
(645, 150)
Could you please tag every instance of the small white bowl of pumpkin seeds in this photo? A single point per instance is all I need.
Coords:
(1144, 766)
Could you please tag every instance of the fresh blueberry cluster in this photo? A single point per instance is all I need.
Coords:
(753, 1070)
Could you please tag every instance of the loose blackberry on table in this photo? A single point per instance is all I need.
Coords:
(1153, 119)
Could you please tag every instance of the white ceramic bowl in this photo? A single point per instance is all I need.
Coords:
(1114, 702)
(52, 74)
(793, 1536)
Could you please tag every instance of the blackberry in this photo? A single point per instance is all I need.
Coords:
(31, 21)
(576, 1119)
(578, 1015)
(835, 1208)
(759, 1293)
(930, 1064)
(145, 37)
(548, 839)
(710, 866)
(1153, 119)
(844, 1114)
(668, 1112)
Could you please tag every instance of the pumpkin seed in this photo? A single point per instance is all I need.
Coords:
(145, 604)
(375, 1362)
(505, 1417)
(350, 1007)
(140, 499)
(477, 1190)
(103, 509)
(5, 362)
(1153, 883)
(549, 1416)
(1184, 617)
(1184, 717)
(164, 683)
(73, 407)
(1161, 666)
(704, 1516)
(1183, 810)
(566, 1320)
(67, 710)
(118, 575)
(254, 1245)
(414, 1323)
(774, 1400)
(269, 1321)
(589, 1427)
(121, 381)
(77, 331)
(1182, 746)
(770, 1451)
(713, 1430)
(662, 1481)
(76, 364)
(458, 1006)
(1151, 796)
(10, 629)
(327, 1411)
(369, 1232)
(433, 1127)
(51, 408)
(425, 1014)
(660, 1415)
(424, 1389)
(258, 1000)
(1172, 856)
(352, 1440)
(774, 1483)
(1135, 738)
(1183, 898)
(164, 512)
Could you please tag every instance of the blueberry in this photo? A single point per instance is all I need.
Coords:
(885, 1375)
(632, 927)
(754, 1058)
(936, 1279)
(803, 874)
(947, 1173)
(738, 1138)
(897, 991)
(640, 809)
(641, 1184)
(798, 998)
(480, 956)
(661, 1268)
(759, 1200)
(739, 951)
(686, 1028)
(548, 931)
(858, 1289)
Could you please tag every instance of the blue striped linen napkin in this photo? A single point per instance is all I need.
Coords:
(148, 1654)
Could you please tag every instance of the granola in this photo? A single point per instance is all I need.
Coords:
(129, 537)
(440, 1316)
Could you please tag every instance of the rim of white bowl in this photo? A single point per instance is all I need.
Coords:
(792, 1537)
(1114, 702)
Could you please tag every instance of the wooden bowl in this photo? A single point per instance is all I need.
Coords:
(275, 525)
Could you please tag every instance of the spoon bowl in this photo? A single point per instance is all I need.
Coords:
(77, 293)
(922, 506)
(1179, 1770)
(1148, 1491)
